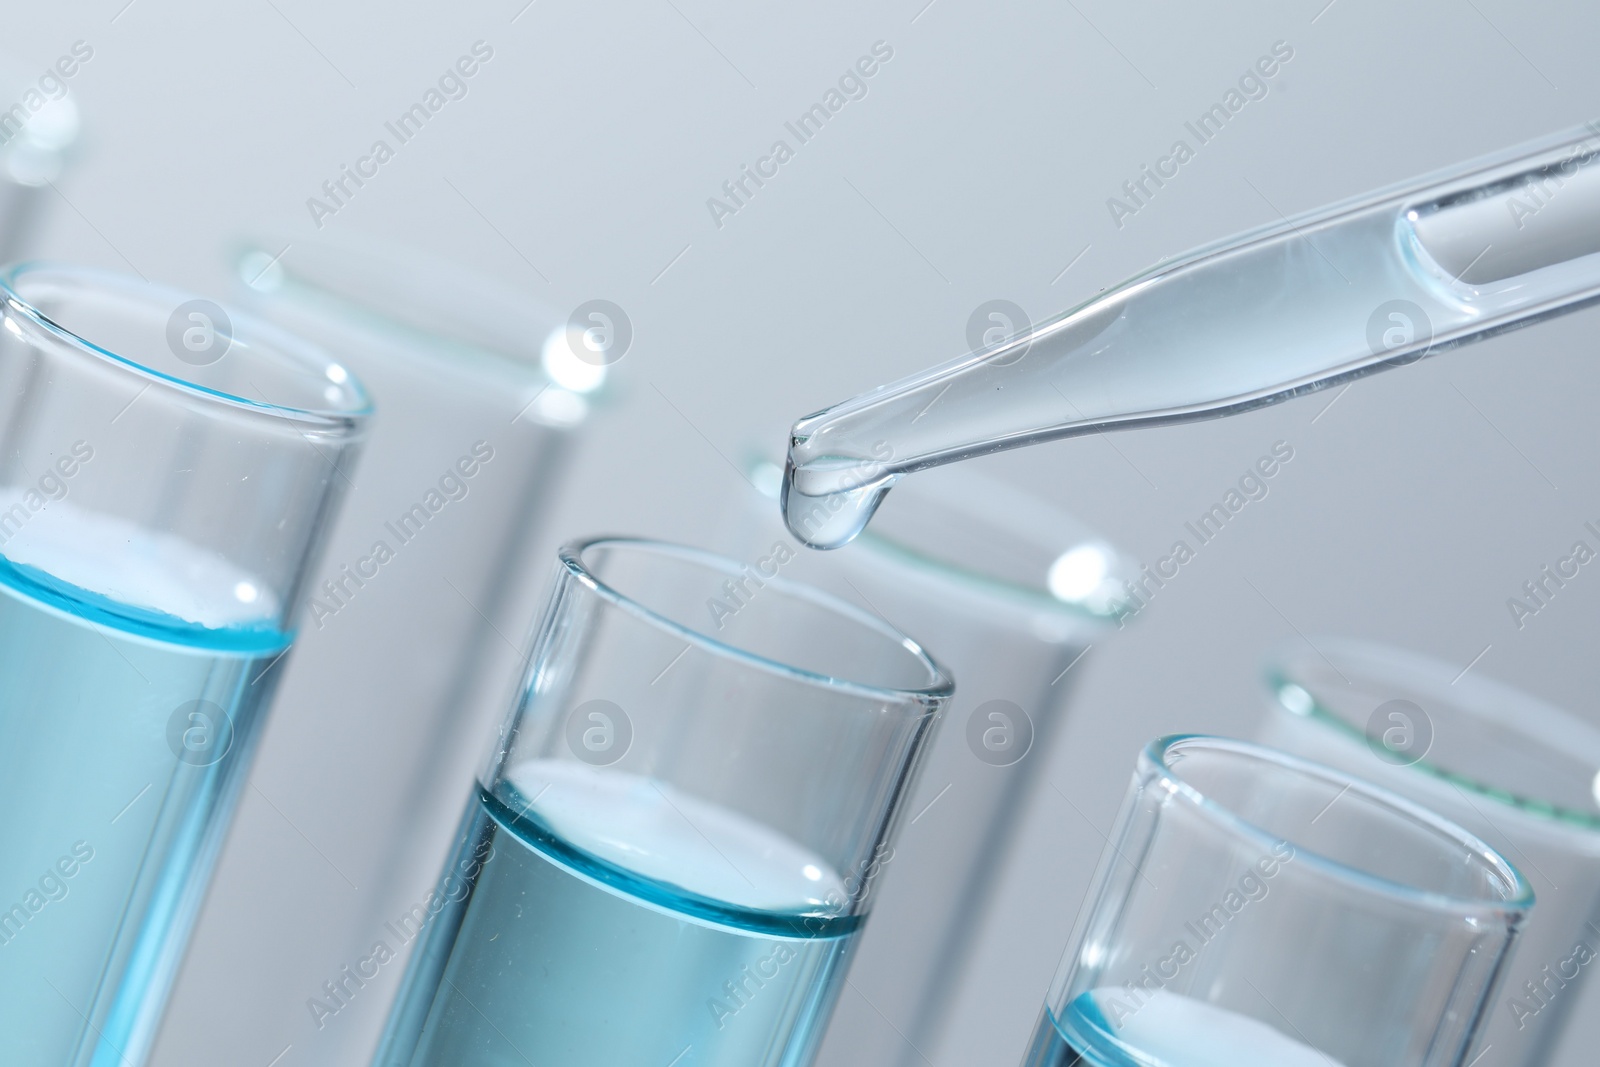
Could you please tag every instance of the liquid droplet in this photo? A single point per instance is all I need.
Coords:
(829, 500)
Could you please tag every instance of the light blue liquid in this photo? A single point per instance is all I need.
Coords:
(1113, 1028)
(90, 784)
(562, 958)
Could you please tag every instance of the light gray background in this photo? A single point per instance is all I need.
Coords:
(977, 167)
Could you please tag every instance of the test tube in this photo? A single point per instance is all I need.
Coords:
(168, 470)
(412, 643)
(671, 852)
(1013, 593)
(39, 130)
(1251, 907)
(1517, 772)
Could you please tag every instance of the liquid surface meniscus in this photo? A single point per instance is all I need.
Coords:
(123, 734)
(1167, 1030)
(614, 919)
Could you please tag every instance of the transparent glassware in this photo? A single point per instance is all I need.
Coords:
(169, 470)
(672, 849)
(39, 134)
(1252, 907)
(1307, 303)
(413, 642)
(1013, 593)
(1515, 771)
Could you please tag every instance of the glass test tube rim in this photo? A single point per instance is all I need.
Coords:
(453, 337)
(1029, 518)
(369, 302)
(983, 587)
(1154, 762)
(938, 689)
(1548, 817)
(278, 346)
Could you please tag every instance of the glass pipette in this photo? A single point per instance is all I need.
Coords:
(1307, 303)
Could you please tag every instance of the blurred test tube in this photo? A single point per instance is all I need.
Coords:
(1010, 593)
(410, 647)
(1521, 774)
(38, 133)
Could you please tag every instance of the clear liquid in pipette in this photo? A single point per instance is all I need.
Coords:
(111, 834)
(1223, 329)
(1255, 319)
(613, 919)
(829, 503)
(1168, 1030)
